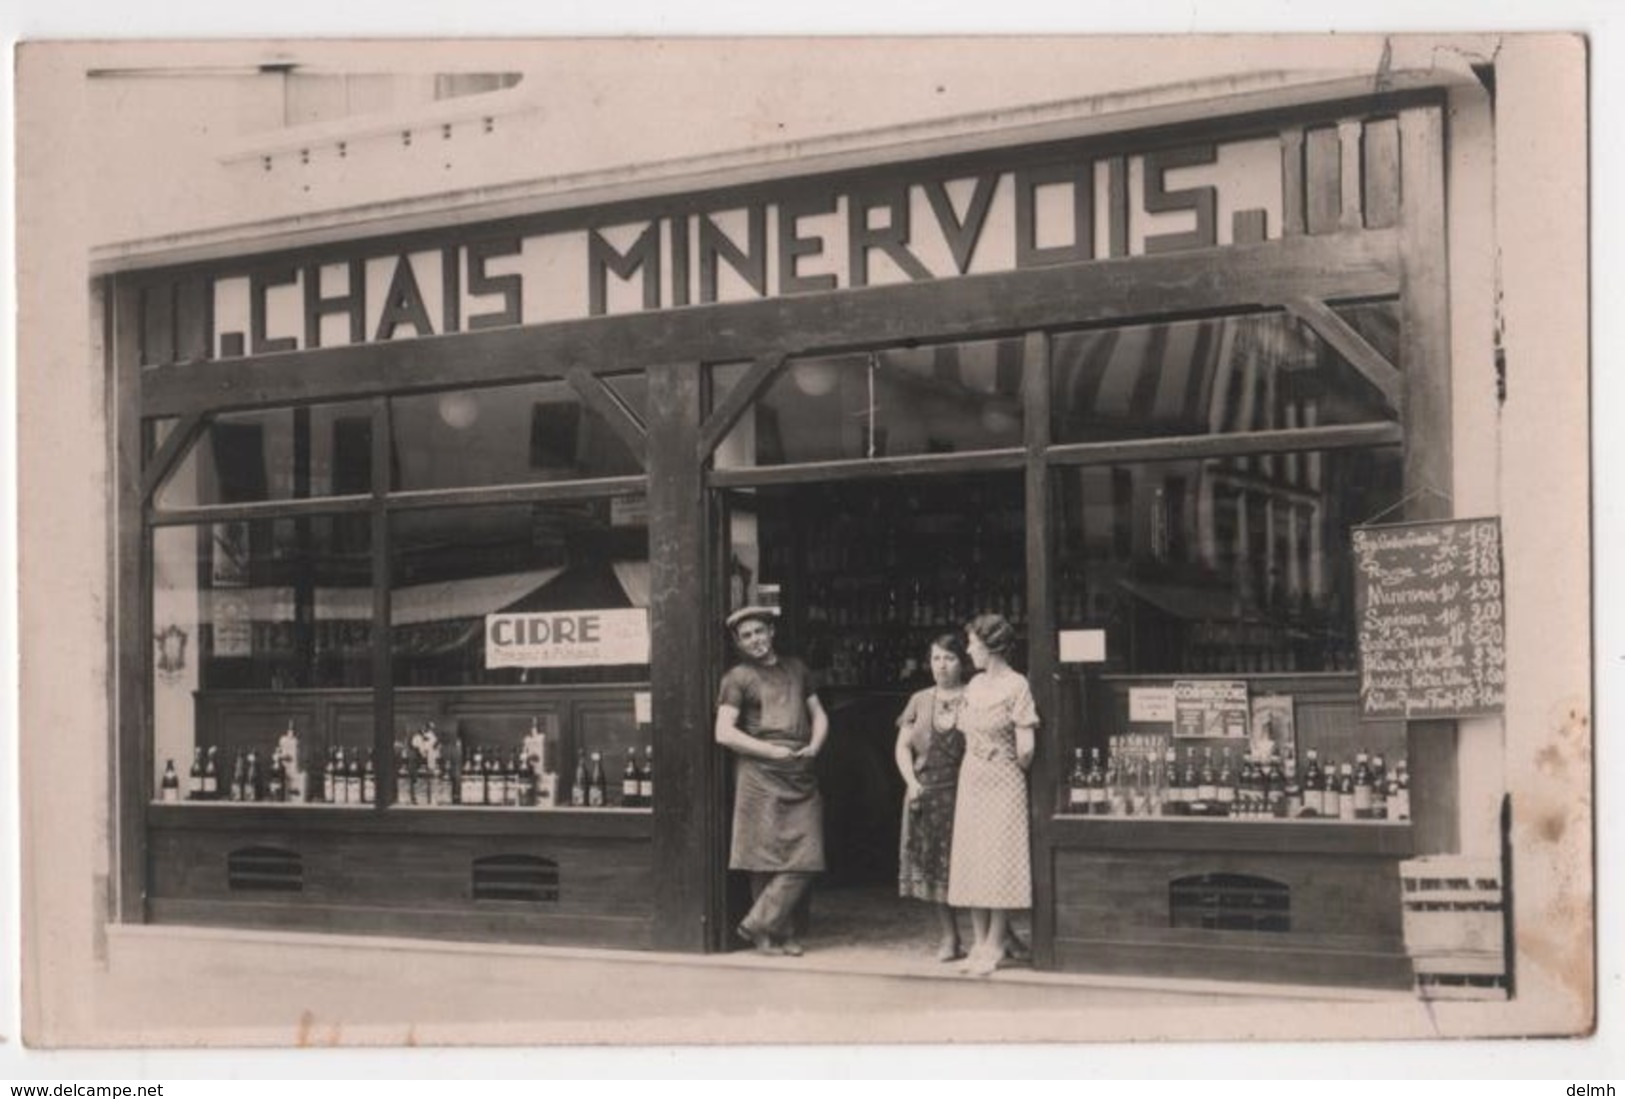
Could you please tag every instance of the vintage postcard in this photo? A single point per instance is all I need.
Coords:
(828, 540)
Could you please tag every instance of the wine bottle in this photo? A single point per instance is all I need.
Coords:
(169, 787)
(578, 788)
(211, 776)
(1294, 788)
(1227, 787)
(1077, 786)
(1099, 803)
(1345, 792)
(630, 781)
(597, 785)
(1379, 788)
(646, 784)
(471, 790)
(1362, 787)
(194, 781)
(1314, 804)
(251, 778)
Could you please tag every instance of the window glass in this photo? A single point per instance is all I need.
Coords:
(1218, 375)
(1230, 566)
(508, 435)
(521, 593)
(243, 607)
(940, 399)
(277, 454)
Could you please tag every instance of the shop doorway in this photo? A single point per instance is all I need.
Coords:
(867, 572)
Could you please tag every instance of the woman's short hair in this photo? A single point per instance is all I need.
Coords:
(955, 644)
(996, 633)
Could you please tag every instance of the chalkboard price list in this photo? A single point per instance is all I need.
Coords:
(1432, 635)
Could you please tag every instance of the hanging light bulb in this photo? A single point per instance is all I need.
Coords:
(459, 409)
(815, 377)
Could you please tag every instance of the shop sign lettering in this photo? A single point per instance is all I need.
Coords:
(567, 639)
(810, 239)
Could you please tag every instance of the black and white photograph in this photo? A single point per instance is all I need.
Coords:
(679, 541)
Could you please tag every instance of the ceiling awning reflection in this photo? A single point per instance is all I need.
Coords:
(441, 601)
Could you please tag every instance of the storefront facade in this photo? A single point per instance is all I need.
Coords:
(1131, 383)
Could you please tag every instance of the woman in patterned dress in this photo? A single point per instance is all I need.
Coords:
(990, 869)
(929, 748)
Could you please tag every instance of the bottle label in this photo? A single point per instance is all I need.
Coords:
(595, 796)
(195, 785)
(629, 789)
(646, 790)
(171, 793)
(1313, 802)
(1078, 795)
(1362, 799)
(1206, 792)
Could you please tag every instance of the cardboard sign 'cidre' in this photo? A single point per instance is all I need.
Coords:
(1429, 605)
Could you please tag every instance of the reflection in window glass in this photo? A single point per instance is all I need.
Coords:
(509, 435)
(1229, 566)
(453, 567)
(1219, 375)
(279, 454)
(948, 398)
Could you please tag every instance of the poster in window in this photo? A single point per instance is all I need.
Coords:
(1210, 708)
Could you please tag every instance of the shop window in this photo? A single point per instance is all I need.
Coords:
(1218, 565)
(451, 568)
(509, 435)
(890, 402)
(525, 878)
(265, 870)
(1229, 902)
(277, 454)
(1218, 375)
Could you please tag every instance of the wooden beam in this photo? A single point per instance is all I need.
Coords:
(738, 399)
(178, 442)
(1347, 342)
(259, 510)
(1425, 359)
(1188, 447)
(1292, 187)
(383, 663)
(1041, 654)
(1208, 280)
(539, 493)
(603, 400)
(976, 461)
(130, 763)
(688, 809)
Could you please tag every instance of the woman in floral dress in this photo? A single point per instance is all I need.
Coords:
(929, 748)
(990, 870)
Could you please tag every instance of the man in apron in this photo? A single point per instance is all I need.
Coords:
(773, 723)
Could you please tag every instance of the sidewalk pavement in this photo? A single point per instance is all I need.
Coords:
(169, 986)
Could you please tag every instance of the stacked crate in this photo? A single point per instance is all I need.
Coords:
(1455, 926)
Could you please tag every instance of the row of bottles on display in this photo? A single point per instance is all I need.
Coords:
(592, 789)
(427, 773)
(1147, 776)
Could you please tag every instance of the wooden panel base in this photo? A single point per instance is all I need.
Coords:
(355, 873)
(1332, 914)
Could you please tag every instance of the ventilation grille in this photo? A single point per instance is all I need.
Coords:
(265, 870)
(1229, 902)
(525, 878)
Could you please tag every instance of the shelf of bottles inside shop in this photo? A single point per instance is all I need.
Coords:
(1146, 775)
(428, 774)
(881, 637)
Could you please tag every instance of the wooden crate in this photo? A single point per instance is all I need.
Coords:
(1455, 927)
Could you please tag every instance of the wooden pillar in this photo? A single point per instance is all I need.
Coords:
(1425, 362)
(131, 762)
(688, 810)
(1041, 655)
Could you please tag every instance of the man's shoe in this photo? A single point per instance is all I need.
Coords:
(792, 948)
(758, 939)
